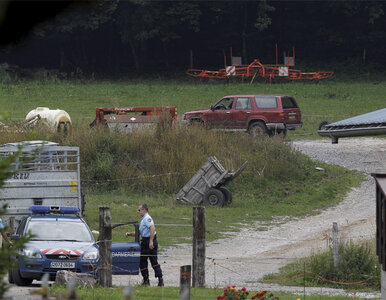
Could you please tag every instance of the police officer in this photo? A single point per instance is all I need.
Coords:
(149, 246)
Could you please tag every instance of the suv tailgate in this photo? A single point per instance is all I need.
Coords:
(292, 113)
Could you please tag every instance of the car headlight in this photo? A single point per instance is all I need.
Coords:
(91, 255)
(32, 253)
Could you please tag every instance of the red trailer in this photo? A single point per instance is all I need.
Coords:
(127, 119)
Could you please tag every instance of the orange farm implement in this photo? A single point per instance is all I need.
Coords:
(127, 119)
(258, 70)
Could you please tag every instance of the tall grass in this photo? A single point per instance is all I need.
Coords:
(357, 263)
(358, 268)
(164, 159)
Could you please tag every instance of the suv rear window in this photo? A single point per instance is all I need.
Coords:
(265, 102)
(288, 102)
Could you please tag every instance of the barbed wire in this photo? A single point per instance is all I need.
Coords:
(370, 279)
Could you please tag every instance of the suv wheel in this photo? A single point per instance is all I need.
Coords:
(257, 129)
(214, 197)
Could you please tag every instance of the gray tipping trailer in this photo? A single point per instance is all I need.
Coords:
(207, 186)
(44, 174)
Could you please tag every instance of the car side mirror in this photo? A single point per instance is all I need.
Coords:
(15, 237)
(212, 107)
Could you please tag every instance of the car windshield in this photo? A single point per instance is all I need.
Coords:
(59, 230)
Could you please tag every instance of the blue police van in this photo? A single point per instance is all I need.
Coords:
(61, 240)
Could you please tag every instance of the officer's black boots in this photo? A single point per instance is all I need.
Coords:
(145, 281)
(160, 281)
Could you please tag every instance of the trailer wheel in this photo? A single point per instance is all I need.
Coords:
(19, 280)
(214, 197)
(323, 124)
(227, 194)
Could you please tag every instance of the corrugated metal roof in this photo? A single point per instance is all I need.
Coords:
(375, 117)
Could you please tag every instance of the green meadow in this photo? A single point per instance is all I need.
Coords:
(328, 100)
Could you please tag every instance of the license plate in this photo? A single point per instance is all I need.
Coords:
(62, 265)
(291, 117)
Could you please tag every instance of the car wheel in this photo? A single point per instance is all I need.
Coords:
(10, 277)
(214, 197)
(258, 129)
(19, 280)
(227, 194)
(323, 124)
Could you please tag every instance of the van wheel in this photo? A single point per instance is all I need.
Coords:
(19, 280)
(10, 277)
(227, 194)
(258, 129)
(214, 197)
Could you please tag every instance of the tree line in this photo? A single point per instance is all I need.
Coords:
(145, 36)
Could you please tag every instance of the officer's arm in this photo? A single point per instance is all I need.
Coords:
(4, 234)
(130, 234)
(152, 233)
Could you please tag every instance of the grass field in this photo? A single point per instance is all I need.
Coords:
(328, 100)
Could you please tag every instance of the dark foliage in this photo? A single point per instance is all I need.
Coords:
(152, 37)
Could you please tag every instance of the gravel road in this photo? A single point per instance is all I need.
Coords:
(244, 258)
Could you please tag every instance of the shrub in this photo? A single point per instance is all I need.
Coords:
(357, 264)
(4, 76)
(164, 159)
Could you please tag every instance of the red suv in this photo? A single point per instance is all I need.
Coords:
(257, 114)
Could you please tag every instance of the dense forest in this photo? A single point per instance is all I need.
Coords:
(145, 36)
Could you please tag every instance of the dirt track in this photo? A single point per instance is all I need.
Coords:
(243, 258)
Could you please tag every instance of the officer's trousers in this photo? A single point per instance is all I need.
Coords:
(151, 254)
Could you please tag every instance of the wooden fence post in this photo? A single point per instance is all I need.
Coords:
(185, 278)
(335, 244)
(105, 251)
(198, 247)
